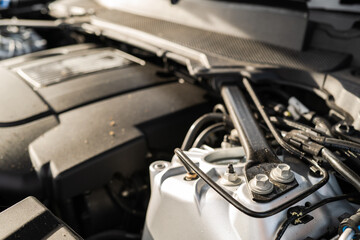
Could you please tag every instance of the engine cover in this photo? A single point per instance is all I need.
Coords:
(75, 112)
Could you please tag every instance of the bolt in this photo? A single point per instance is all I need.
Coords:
(284, 169)
(261, 180)
(261, 184)
(230, 168)
(234, 134)
(230, 177)
(282, 173)
(226, 143)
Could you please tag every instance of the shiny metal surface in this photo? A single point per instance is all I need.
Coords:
(192, 210)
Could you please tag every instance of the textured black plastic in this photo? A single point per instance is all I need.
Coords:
(226, 46)
(92, 87)
(93, 142)
(71, 90)
(29, 219)
(17, 176)
(18, 102)
(107, 122)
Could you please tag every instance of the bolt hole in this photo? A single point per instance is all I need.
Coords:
(307, 204)
(343, 127)
(160, 165)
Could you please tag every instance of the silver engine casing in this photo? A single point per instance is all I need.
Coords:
(180, 209)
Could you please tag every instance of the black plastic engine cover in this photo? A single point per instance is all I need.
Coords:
(72, 117)
(17, 176)
(93, 142)
(19, 104)
(29, 219)
(23, 117)
(72, 76)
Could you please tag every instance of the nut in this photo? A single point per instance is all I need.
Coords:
(282, 173)
(261, 184)
(230, 177)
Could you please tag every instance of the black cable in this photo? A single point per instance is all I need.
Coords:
(341, 168)
(199, 123)
(318, 121)
(292, 150)
(206, 132)
(187, 161)
(342, 144)
(291, 124)
(326, 141)
(306, 211)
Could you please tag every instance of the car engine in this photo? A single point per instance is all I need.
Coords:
(187, 119)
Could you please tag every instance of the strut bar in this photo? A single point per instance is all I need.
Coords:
(251, 138)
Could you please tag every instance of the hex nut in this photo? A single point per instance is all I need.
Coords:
(282, 173)
(230, 177)
(261, 184)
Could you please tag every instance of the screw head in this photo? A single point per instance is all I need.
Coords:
(284, 169)
(159, 166)
(282, 173)
(261, 184)
(261, 180)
